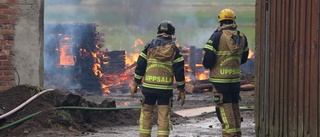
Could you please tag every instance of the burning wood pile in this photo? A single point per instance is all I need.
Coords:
(75, 60)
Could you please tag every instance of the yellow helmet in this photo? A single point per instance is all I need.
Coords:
(226, 14)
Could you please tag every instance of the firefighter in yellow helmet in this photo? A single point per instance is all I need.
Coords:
(158, 65)
(223, 54)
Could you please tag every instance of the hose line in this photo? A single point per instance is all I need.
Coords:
(19, 121)
(67, 108)
(245, 108)
(24, 103)
(96, 108)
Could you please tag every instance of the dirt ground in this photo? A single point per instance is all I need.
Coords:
(53, 122)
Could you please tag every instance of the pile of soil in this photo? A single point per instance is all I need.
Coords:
(74, 122)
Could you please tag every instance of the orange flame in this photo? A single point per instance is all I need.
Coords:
(137, 42)
(66, 55)
(251, 54)
(133, 57)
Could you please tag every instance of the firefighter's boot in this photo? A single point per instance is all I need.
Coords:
(146, 119)
(237, 117)
(164, 124)
(228, 121)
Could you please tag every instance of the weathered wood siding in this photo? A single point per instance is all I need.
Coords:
(291, 77)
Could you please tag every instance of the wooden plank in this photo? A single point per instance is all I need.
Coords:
(300, 119)
(293, 85)
(282, 71)
(318, 76)
(195, 111)
(314, 69)
(262, 65)
(278, 73)
(287, 96)
(272, 48)
(306, 83)
(258, 91)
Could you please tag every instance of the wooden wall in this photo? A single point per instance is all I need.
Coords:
(287, 68)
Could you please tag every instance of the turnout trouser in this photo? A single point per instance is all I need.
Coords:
(146, 119)
(228, 111)
(164, 103)
(164, 124)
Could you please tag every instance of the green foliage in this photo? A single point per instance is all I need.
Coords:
(60, 117)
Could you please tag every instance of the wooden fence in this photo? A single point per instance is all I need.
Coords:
(287, 77)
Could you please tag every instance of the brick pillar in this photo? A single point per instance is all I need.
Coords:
(8, 15)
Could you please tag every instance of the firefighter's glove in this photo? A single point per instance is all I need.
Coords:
(182, 96)
(133, 88)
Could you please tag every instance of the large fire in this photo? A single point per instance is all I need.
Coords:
(192, 73)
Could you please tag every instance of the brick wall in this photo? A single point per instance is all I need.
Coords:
(8, 15)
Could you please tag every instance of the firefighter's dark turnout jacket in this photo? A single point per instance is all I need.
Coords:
(224, 53)
(159, 64)
(223, 57)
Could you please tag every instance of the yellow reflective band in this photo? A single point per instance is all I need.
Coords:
(224, 118)
(141, 129)
(156, 86)
(160, 66)
(228, 59)
(178, 60)
(141, 118)
(160, 62)
(163, 132)
(246, 49)
(231, 130)
(220, 80)
(137, 76)
(180, 83)
(170, 124)
(222, 53)
(209, 47)
(145, 131)
(143, 55)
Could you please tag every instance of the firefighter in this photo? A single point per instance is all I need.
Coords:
(223, 54)
(158, 65)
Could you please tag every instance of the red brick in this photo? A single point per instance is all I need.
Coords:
(10, 41)
(7, 47)
(11, 16)
(6, 63)
(8, 37)
(12, 1)
(3, 42)
(3, 57)
(7, 31)
(3, 88)
(6, 67)
(7, 78)
(4, 6)
(10, 11)
(7, 21)
(3, 1)
(3, 16)
(8, 73)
